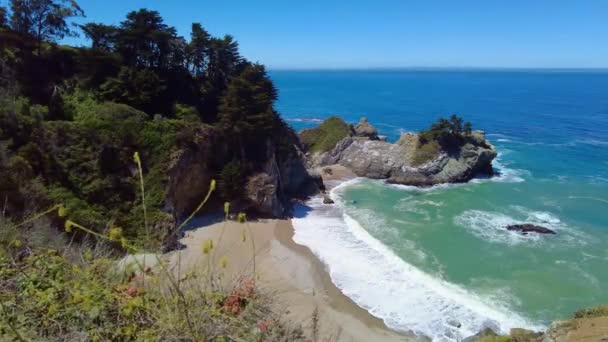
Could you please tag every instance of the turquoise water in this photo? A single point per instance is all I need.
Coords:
(448, 243)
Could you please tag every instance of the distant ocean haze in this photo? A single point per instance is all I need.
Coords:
(448, 243)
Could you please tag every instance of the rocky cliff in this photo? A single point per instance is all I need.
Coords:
(269, 181)
(411, 161)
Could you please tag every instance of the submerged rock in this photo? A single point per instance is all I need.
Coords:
(327, 200)
(526, 228)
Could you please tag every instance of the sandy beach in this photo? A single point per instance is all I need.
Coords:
(296, 280)
(293, 276)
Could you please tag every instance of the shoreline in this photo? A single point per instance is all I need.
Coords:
(296, 280)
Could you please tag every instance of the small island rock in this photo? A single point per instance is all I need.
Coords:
(526, 228)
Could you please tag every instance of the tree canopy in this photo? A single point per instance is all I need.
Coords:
(71, 117)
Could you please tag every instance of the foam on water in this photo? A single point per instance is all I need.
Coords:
(492, 226)
(373, 276)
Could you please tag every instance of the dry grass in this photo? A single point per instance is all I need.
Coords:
(53, 288)
(425, 152)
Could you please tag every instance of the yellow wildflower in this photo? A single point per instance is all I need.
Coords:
(62, 211)
(68, 226)
(227, 208)
(241, 218)
(207, 246)
(115, 233)
(17, 243)
(212, 186)
(136, 158)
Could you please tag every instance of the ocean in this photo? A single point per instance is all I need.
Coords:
(438, 261)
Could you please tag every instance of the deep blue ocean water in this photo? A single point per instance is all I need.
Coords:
(448, 244)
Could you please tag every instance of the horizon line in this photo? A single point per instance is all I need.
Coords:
(438, 68)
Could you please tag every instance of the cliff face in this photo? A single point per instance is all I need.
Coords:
(400, 162)
(269, 182)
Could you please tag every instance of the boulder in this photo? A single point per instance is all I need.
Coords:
(327, 200)
(485, 335)
(365, 129)
(261, 190)
(526, 228)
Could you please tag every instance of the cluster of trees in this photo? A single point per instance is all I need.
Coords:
(71, 117)
(449, 133)
(142, 62)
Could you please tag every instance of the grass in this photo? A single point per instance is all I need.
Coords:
(53, 288)
(327, 135)
(425, 152)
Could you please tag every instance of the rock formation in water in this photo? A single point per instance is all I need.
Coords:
(413, 160)
(526, 228)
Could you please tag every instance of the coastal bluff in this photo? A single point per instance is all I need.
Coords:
(439, 155)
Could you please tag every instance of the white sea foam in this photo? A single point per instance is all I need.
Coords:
(592, 142)
(373, 276)
(504, 174)
(491, 226)
(306, 120)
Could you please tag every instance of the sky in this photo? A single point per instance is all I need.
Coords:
(317, 34)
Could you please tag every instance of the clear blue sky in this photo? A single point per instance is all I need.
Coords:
(392, 33)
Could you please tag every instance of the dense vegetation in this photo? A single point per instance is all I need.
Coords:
(444, 135)
(91, 132)
(324, 137)
(52, 289)
(72, 117)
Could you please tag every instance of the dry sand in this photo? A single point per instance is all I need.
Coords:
(297, 281)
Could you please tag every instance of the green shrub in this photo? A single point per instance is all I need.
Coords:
(599, 311)
(425, 152)
(450, 133)
(231, 181)
(325, 137)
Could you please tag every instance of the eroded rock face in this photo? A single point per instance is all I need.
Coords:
(395, 162)
(269, 186)
(365, 129)
(262, 191)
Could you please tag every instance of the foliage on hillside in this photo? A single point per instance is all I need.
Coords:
(52, 289)
(324, 137)
(71, 118)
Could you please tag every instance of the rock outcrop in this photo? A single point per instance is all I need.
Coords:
(526, 228)
(400, 162)
(365, 129)
(269, 182)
